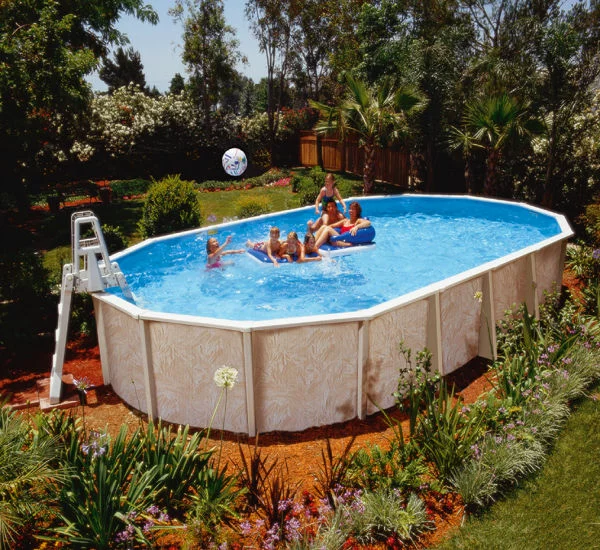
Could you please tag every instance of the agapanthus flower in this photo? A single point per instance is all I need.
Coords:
(226, 377)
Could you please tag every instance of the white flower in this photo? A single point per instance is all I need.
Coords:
(478, 296)
(226, 377)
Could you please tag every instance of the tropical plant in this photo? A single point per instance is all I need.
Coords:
(178, 457)
(29, 475)
(493, 123)
(107, 487)
(375, 469)
(214, 498)
(376, 117)
(446, 430)
(333, 470)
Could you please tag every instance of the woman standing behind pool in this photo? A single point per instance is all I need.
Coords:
(214, 252)
(328, 193)
(330, 216)
(351, 225)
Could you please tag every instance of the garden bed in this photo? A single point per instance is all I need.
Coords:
(301, 451)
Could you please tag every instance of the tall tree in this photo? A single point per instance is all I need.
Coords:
(177, 84)
(376, 117)
(126, 69)
(210, 51)
(272, 23)
(427, 44)
(568, 54)
(46, 50)
(312, 39)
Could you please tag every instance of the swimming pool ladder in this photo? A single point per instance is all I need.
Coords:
(90, 271)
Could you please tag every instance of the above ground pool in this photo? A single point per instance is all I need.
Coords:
(317, 343)
(419, 241)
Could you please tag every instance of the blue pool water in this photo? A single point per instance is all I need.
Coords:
(420, 240)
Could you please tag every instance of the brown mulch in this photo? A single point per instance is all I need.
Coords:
(300, 451)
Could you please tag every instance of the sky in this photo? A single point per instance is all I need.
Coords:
(160, 45)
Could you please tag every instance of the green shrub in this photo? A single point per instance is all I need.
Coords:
(317, 175)
(375, 468)
(384, 514)
(114, 238)
(172, 204)
(122, 188)
(27, 304)
(590, 219)
(261, 157)
(307, 191)
(247, 207)
(213, 185)
(83, 322)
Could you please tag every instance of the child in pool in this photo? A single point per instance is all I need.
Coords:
(292, 249)
(328, 193)
(272, 248)
(215, 251)
(310, 248)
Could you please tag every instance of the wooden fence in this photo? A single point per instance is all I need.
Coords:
(391, 164)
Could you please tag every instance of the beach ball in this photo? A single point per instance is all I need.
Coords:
(235, 162)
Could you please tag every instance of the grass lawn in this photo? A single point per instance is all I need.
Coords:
(557, 509)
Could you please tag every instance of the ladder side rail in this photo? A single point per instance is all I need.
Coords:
(58, 358)
(103, 248)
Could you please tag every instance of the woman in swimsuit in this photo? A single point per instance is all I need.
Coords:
(330, 216)
(351, 225)
(214, 252)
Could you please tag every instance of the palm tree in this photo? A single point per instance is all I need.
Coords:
(376, 117)
(493, 123)
(28, 475)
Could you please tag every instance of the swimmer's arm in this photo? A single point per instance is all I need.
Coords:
(336, 192)
(362, 224)
(219, 251)
(319, 198)
(301, 254)
(239, 251)
(270, 253)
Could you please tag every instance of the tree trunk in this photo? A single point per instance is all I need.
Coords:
(548, 197)
(369, 169)
(468, 176)
(489, 187)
